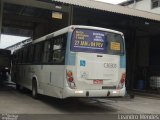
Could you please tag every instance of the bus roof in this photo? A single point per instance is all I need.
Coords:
(67, 29)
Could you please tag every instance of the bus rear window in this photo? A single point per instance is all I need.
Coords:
(95, 41)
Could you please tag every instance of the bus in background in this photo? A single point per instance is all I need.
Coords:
(77, 61)
(5, 63)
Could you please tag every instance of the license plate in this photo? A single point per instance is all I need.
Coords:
(97, 81)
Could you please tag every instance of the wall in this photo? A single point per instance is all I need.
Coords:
(145, 5)
(143, 46)
(50, 26)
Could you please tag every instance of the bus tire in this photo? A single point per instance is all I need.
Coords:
(20, 88)
(34, 89)
(158, 90)
(17, 87)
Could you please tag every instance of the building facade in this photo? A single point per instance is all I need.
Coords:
(145, 5)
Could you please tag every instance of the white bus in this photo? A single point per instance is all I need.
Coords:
(77, 61)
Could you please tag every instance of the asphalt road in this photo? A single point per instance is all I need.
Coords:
(14, 102)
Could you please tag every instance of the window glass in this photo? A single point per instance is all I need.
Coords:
(20, 56)
(31, 54)
(155, 3)
(114, 44)
(46, 51)
(14, 57)
(58, 49)
(38, 53)
(51, 51)
(85, 40)
(95, 41)
(25, 55)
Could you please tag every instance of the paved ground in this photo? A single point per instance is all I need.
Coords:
(12, 101)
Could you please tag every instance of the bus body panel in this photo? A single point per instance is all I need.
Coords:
(50, 78)
(104, 68)
(67, 92)
(95, 90)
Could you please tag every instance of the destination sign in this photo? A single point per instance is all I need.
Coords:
(88, 40)
(115, 46)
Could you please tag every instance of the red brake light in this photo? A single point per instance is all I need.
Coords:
(123, 78)
(122, 81)
(70, 79)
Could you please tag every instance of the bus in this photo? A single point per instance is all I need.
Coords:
(5, 63)
(76, 61)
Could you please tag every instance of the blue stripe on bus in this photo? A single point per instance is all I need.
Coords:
(70, 57)
(122, 61)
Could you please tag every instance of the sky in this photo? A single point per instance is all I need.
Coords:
(8, 40)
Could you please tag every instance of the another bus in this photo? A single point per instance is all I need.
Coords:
(5, 63)
(77, 61)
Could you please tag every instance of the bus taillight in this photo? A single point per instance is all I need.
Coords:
(70, 79)
(123, 78)
(122, 81)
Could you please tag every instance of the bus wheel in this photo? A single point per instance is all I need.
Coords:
(17, 87)
(34, 89)
(20, 88)
(158, 90)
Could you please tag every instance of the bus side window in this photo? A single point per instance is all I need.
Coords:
(38, 53)
(25, 55)
(20, 56)
(31, 54)
(46, 51)
(22, 59)
(59, 48)
(14, 58)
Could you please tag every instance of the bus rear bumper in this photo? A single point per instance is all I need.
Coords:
(94, 93)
